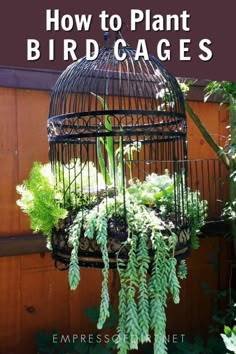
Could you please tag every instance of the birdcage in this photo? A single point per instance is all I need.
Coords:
(117, 137)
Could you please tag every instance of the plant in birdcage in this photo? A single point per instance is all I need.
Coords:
(116, 192)
(148, 268)
(151, 270)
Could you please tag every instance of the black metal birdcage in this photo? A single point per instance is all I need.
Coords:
(112, 122)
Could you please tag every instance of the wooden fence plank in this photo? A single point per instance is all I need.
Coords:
(202, 271)
(198, 148)
(45, 302)
(32, 112)
(10, 302)
(86, 296)
(178, 311)
(8, 161)
(37, 261)
(193, 315)
(210, 177)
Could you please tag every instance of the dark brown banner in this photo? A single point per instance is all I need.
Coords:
(193, 39)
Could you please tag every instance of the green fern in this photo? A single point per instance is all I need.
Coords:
(41, 199)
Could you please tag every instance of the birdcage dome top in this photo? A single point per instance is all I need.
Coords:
(107, 76)
(131, 87)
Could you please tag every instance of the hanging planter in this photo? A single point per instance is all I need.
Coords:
(116, 194)
(118, 225)
(154, 198)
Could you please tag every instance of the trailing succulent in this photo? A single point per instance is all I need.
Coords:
(146, 278)
(142, 298)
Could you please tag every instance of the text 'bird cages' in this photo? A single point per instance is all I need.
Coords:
(117, 129)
